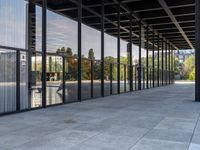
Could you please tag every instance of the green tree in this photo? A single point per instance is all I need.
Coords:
(91, 54)
(188, 66)
(69, 51)
(192, 75)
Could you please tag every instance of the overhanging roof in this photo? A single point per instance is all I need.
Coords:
(174, 20)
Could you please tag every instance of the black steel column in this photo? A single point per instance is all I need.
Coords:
(172, 68)
(111, 77)
(79, 47)
(130, 55)
(158, 72)
(147, 57)
(118, 50)
(18, 80)
(174, 58)
(64, 66)
(162, 61)
(153, 62)
(124, 77)
(169, 66)
(166, 62)
(92, 78)
(140, 61)
(102, 47)
(44, 14)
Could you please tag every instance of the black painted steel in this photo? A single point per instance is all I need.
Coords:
(102, 46)
(147, 58)
(44, 17)
(169, 66)
(140, 55)
(130, 55)
(118, 49)
(197, 51)
(158, 61)
(162, 62)
(79, 47)
(63, 79)
(153, 60)
(18, 80)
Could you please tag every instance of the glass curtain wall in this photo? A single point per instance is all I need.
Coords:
(143, 59)
(124, 86)
(62, 47)
(91, 66)
(110, 53)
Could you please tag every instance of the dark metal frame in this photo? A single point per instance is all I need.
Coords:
(131, 36)
(153, 60)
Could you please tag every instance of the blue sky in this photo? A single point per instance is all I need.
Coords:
(61, 31)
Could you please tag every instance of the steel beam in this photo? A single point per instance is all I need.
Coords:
(174, 20)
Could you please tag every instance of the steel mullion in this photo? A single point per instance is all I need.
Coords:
(44, 26)
(153, 62)
(162, 61)
(102, 46)
(147, 57)
(118, 50)
(131, 55)
(140, 61)
(79, 48)
(17, 80)
(158, 63)
(169, 66)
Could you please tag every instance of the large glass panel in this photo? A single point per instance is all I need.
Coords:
(7, 81)
(61, 33)
(86, 79)
(71, 75)
(110, 53)
(36, 81)
(96, 78)
(13, 23)
(107, 77)
(54, 76)
(91, 49)
(124, 61)
(122, 78)
(114, 78)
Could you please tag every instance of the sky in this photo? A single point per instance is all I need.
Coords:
(61, 32)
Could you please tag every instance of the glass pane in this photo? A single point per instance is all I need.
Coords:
(36, 82)
(71, 83)
(97, 79)
(114, 79)
(54, 76)
(13, 23)
(7, 81)
(107, 78)
(86, 79)
(122, 78)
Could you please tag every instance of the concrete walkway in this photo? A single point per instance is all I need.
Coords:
(165, 118)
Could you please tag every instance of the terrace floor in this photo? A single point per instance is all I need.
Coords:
(165, 118)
